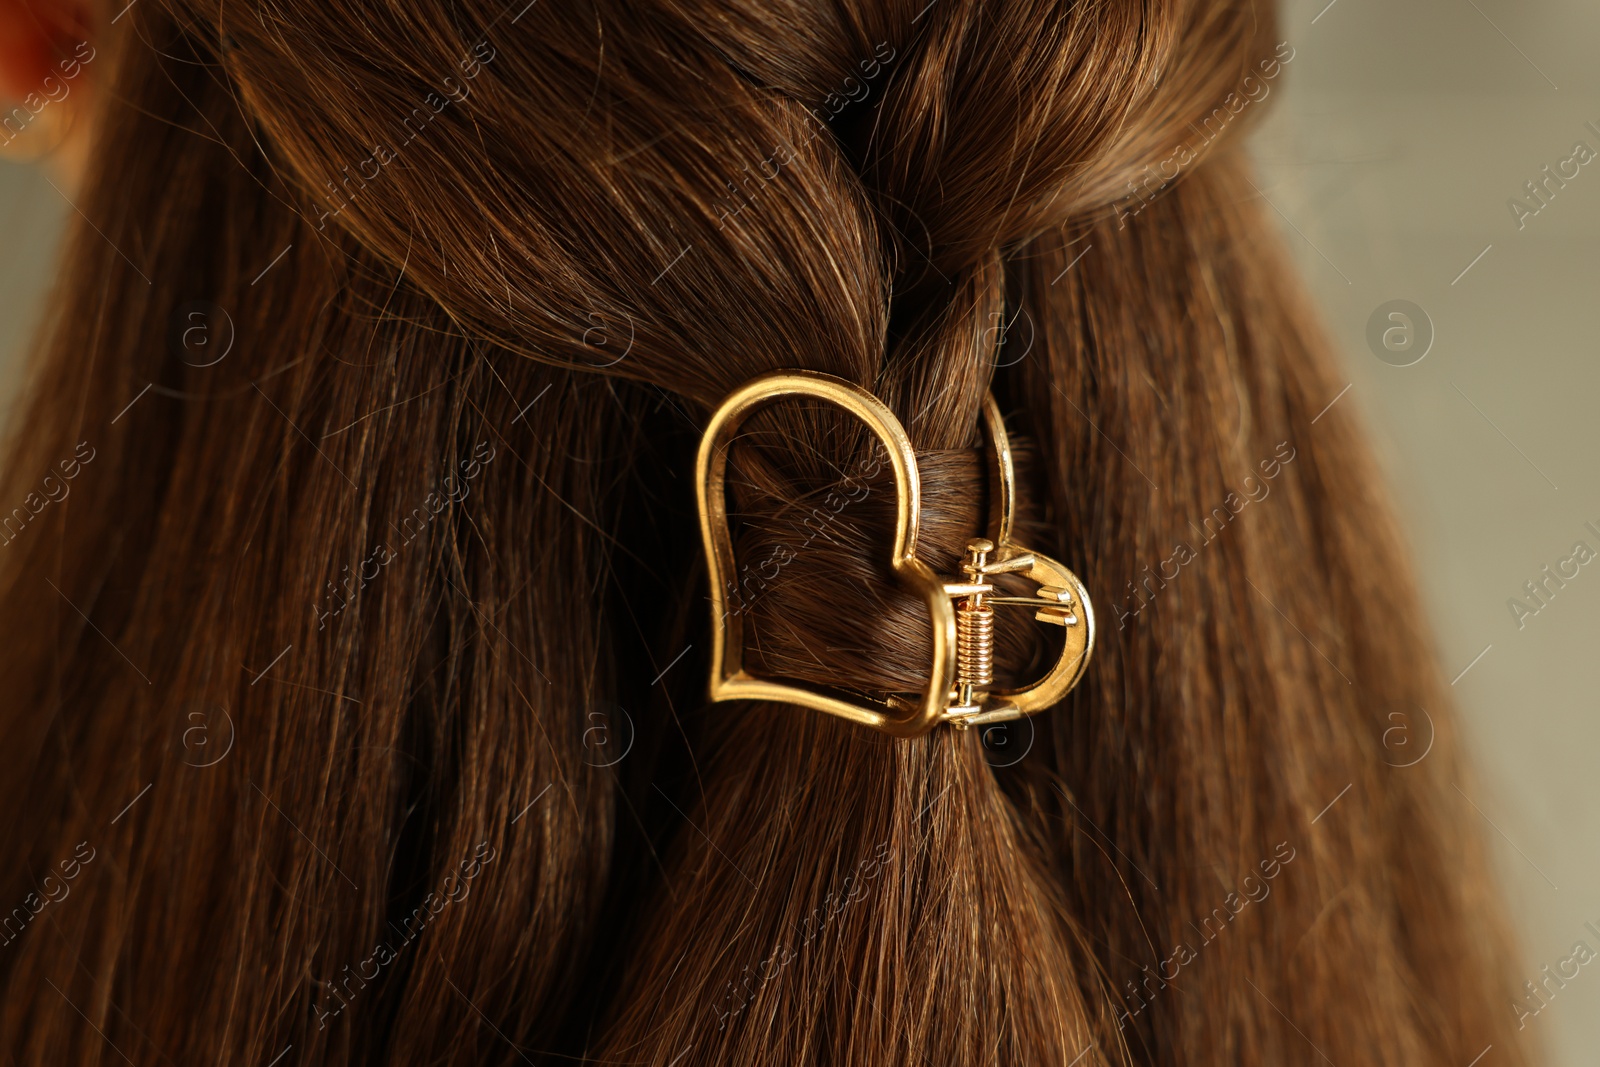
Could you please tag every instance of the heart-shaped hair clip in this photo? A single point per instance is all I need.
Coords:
(960, 687)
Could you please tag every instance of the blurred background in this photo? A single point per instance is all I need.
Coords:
(1397, 138)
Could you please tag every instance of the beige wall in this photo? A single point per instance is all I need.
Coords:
(1398, 133)
(31, 219)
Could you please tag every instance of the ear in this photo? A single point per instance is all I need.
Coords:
(35, 36)
(44, 79)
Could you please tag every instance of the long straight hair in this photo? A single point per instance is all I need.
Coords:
(353, 613)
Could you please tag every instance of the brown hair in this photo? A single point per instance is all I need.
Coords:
(356, 671)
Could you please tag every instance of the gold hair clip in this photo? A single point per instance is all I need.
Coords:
(960, 686)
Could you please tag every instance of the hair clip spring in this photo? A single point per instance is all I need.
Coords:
(975, 604)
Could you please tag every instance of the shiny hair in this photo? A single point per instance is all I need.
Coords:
(360, 679)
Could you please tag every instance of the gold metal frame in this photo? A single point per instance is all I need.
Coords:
(959, 610)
